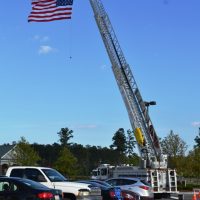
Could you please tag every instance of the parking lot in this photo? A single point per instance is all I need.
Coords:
(181, 196)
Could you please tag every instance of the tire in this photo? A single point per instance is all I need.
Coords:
(69, 197)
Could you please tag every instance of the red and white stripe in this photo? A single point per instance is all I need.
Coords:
(46, 11)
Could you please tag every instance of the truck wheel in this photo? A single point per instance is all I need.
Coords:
(69, 197)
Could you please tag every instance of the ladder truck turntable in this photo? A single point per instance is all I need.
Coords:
(154, 163)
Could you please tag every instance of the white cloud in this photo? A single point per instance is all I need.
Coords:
(196, 124)
(41, 38)
(45, 49)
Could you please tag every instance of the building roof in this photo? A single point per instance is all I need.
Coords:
(4, 149)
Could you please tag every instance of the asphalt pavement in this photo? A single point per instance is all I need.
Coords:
(180, 196)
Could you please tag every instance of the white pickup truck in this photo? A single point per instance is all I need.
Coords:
(53, 179)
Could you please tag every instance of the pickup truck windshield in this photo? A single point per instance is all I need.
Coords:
(53, 175)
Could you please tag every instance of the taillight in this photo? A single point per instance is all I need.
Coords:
(144, 187)
(45, 195)
(127, 196)
(115, 193)
(112, 194)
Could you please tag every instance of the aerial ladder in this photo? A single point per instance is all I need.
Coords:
(147, 139)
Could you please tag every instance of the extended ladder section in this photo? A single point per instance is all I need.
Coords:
(147, 140)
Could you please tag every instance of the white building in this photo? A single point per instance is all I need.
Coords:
(6, 159)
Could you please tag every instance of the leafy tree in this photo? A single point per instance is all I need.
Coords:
(193, 162)
(197, 140)
(130, 143)
(119, 146)
(65, 135)
(47, 152)
(133, 159)
(24, 154)
(119, 141)
(180, 164)
(83, 157)
(66, 163)
(173, 145)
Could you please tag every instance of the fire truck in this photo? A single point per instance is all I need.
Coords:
(154, 167)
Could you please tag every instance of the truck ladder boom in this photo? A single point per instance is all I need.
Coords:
(134, 103)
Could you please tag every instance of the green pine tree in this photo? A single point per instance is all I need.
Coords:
(66, 163)
(24, 154)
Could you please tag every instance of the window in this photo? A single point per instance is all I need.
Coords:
(17, 173)
(6, 186)
(94, 172)
(29, 173)
(54, 175)
(127, 182)
(104, 171)
(112, 182)
(144, 182)
(34, 174)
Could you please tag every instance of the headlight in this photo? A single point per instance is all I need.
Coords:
(83, 192)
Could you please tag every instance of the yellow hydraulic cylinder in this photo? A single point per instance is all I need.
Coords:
(139, 136)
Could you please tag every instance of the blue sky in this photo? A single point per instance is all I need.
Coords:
(42, 89)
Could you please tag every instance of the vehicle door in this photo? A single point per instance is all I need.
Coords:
(36, 175)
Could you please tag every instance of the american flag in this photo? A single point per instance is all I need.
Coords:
(50, 10)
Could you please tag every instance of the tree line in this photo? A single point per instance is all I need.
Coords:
(74, 159)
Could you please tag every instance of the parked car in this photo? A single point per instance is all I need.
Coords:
(101, 182)
(135, 185)
(23, 189)
(108, 192)
(53, 179)
(126, 194)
